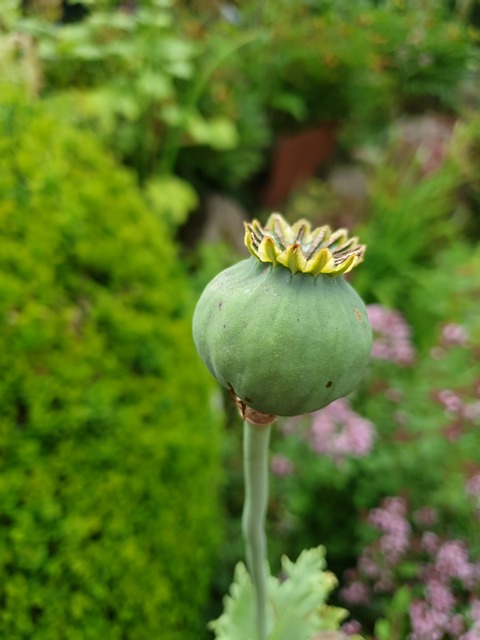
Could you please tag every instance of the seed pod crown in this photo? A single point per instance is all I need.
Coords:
(299, 248)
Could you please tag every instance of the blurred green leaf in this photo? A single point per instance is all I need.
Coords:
(383, 630)
(150, 19)
(173, 49)
(219, 133)
(408, 570)
(402, 598)
(180, 69)
(113, 20)
(172, 198)
(155, 85)
(87, 51)
(11, 12)
(290, 103)
(173, 115)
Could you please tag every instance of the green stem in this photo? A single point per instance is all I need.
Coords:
(255, 464)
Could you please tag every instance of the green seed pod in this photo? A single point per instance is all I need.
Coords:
(283, 330)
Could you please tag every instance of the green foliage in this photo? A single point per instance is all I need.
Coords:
(297, 608)
(410, 219)
(359, 62)
(455, 273)
(413, 190)
(397, 612)
(137, 79)
(205, 97)
(108, 441)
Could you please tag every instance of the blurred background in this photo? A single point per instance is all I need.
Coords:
(135, 139)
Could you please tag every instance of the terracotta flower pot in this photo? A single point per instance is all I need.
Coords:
(297, 158)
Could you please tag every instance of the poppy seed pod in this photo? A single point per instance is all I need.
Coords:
(283, 330)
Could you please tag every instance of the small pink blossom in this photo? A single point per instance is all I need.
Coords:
(456, 625)
(338, 431)
(439, 596)
(356, 593)
(367, 565)
(454, 335)
(352, 627)
(430, 542)
(391, 521)
(281, 466)
(385, 584)
(452, 562)
(450, 401)
(392, 336)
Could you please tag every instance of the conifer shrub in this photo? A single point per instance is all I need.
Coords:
(108, 441)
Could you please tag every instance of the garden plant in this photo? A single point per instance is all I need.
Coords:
(287, 335)
(103, 460)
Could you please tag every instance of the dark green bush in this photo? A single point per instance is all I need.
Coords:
(108, 441)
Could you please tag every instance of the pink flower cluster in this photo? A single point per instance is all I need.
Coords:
(338, 431)
(392, 335)
(460, 411)
(437, 614)
(447, 583)
(431, 622)
(391, 520)
(454, 335)
(377, 561)
(454, 404)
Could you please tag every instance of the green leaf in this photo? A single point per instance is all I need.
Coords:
(11, 12)
(297, 609)
(172, 198)
(154, 19)
(87, 51)
(237, 622)
(292, 104)
(174, 49)
(219, 133)
(180, 69)
(408, 570)
(401, 600)
(299, 601)
(161, 4)
(155, 85)
(126, 104)
(173, 115)
(383, 630)
(122, 48)
(113, 20)
(47, 50)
